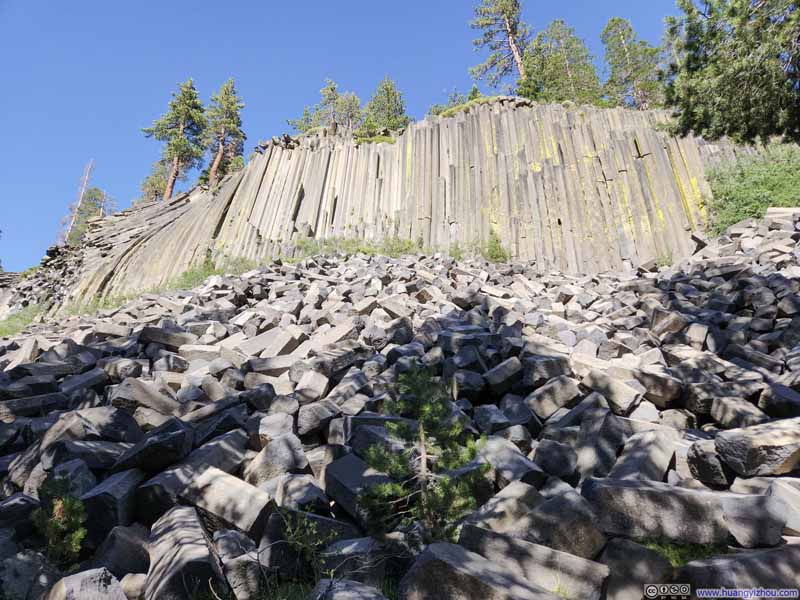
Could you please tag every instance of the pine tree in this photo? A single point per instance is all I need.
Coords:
(423, 488)
(455, 98)
(152, 188)
(181, 129)
(505, 35)
(735, 68)
(335, 109)
(385, 110)
(560, 68)
(633, 66)
(224, 135)
(474, 93)
(96, 203)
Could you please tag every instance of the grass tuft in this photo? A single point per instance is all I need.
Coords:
(454, 110)
(375, 139)
(17, 322)
(679, 555)
(187, 280)
(393, 247)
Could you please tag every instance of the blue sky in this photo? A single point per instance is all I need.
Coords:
(80, 79)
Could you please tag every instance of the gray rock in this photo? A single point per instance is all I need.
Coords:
(490, 419)
(790, 496)
(631, 566)
(621, 396)
(774, 568)
(282, 455)
(27, 575)
(181, 561)
(78, 476)
(735, 412)
(646, 455)
(650, 510)
(160, 448)
(562, 574)
(465, 575)
(133, 585)
(262, 429)
(508, 464)
(111, 503)
(125, 550)
(706, 466)
(344, 589)
(229, 500)
(558, 392)
(504, 510)
(504, 376)
(158, 494)
(767, 449)
(96, 584)
(346, 479)
(563, 522)
(557, 459)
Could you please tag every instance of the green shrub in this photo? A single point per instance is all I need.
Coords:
(456, 251)
(17, 322)
(494, 250)
(421, 492)
(665, 260)
(679, 555)
(60, 520)
(375, 139)
(453, 111)
(747, 187)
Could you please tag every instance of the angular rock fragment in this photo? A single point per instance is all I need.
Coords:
(766, 449)
(466, 575)
(181, 560)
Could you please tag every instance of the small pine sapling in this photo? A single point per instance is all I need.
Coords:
(423, 490)
(60, 520)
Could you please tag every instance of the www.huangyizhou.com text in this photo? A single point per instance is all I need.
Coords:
(747, 593)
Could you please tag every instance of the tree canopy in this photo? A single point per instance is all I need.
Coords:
(386, 109)
(181, 129)
(560, 68)
(340, 108)
(735, 68)
(505, 35)
(95, 203)
(633, 67)
(224, 136)
(152, 188)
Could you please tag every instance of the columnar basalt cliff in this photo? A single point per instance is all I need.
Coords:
(575, 189)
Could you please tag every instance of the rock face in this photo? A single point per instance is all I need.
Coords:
(210, 433)
(422, 187)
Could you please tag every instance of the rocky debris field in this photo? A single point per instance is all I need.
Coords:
(616, 418)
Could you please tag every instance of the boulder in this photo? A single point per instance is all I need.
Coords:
(181, 562)
(160, 448)
(229, 500)
(282, 455)
(344, 589)
(632, 566)
(559, 391)
(111, 503)
(771, 448)
(561, 573)
(464, 575)
(95, 584)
